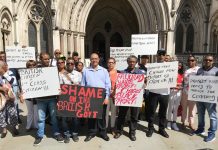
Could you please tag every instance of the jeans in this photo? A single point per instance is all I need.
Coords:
(42, 107)
(75, 126)
(211, 109)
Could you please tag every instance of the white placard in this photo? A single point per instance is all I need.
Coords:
(145, 44)
(162, 75)
(129, 90)
(39, 82)
(121, 54)
(17, 57)
(203, 89)
(87, 63)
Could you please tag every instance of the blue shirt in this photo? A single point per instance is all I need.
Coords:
(97, 78)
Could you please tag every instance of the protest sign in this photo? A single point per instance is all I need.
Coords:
(203, 89)
(39, 82)
(129, 90)
(162, 75)
(17, 57)
(87, 63)
(145, 44)
(121, 54)
(81, 102)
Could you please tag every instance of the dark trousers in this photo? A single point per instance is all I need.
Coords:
(154, 99)
(134, 112)
(98, 124)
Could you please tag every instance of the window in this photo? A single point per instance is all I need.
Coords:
(44, 38)
(179, 39)
(32, 35)
(190, 38)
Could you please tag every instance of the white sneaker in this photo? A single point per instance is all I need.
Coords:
(169, 125)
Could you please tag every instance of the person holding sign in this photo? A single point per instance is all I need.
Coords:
(32, 110)
(156, 96)
(43, 104)
(134, 111)
(207, 70)
(186, 104)
(97, 76)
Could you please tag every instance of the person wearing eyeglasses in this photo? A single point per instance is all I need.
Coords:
(111, 63)
(188, 107)
(75, 78)
(97, 76)
(57, 54)
(32, 110)
(207, 70)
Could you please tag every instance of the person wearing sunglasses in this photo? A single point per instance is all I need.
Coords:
(57, 54)
(75, 78)
(32, 110)
(207, 70)
(188, 107)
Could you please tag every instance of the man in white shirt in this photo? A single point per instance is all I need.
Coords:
(57, 54)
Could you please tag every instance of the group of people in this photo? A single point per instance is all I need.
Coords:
(71, 71)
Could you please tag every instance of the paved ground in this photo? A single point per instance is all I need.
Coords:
(178, 141)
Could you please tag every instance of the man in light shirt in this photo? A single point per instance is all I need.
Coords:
(97, 76)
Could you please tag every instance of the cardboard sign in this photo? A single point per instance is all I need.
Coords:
(39, 82)
(203, 89)
(121, 54)
(162, 75)
(129, 90)
(81, 102)
(17, 57)
(145, 44)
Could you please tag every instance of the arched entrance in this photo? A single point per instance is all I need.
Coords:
(110, 24)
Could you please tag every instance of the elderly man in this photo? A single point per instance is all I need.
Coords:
(97, 76)
(57, 54)
(134, 111)
(207, 70)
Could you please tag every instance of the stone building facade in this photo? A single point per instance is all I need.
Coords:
(183, 26)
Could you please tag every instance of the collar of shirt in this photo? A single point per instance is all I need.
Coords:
(135, 71)
(92, 69)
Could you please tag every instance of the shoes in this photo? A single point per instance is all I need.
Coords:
(163, 133)
(37, 141)
(169, 125)
(211, 137)
(28, 130)
(183, 126)
(3, 135)
(150, 132)
(66, 139)
(88, 138)
(59, 138)
(105, 137)
(117, 135)
(75, 138)
(15, 131)
(132, 137)
(174, 126)
(191, 127)
(199, 132)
